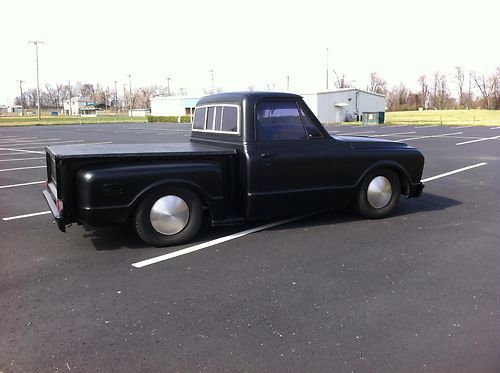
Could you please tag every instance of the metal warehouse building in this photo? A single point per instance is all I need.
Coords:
(337, 106)
(173, 105)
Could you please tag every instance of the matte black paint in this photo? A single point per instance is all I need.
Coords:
(236, 176)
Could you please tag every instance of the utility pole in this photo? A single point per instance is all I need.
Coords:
(288, 83)
(212, 74)
(168, 86)
(70, 94)
(116, 97)
(35, 43)
(22, 98)
(327, 68)
(124, 96)
(130, 93)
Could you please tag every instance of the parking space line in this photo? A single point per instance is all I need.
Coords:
(461, 127)
(217, 241)
(26, 215)
(478, 140)
(16, 141)
(454, 172)
(19, 159)
(394, 134)
(424, 126)
(20, 150)
(430, 136)
(21, 168)
(390, 126)
(355, 133)
(495, 128)
(22, 184)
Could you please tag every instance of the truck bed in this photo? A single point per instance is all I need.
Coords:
(132, 150)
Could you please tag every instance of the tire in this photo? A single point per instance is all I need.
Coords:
(169, 216)
(378, 194)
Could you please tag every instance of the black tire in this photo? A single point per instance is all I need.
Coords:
(377, 209)
(149, 234)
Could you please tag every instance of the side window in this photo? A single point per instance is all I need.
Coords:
(199, 118)
(279, 120)
(218, 118)
(311, 127)
(230, 119)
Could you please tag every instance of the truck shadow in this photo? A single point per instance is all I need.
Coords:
(124, 237)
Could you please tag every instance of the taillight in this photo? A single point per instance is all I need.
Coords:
(59, 205)
(47, 184)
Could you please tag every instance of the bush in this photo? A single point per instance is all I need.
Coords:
(168, 119)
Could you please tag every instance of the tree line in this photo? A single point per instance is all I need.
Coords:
(464, 90)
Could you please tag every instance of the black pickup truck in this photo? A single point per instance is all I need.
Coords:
(251, 155)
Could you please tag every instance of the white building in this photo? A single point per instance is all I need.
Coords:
(174, 106)
(79, 105)
(337, 106)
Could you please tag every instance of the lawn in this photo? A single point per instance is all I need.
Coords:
(49, 120)
(445, 117)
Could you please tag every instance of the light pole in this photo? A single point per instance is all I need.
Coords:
(35, 43)
(168, 86)
(22, 99)
(124, 96)
(130, 93)
(70, 106)
(288, 83)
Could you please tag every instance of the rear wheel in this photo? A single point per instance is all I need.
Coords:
(168, 217)
(378, 194)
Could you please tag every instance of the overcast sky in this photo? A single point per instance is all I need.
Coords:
(252, 43)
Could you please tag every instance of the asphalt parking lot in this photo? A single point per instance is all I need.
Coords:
(419, 291)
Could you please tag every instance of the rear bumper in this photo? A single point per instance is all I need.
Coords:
(60, 221)
(416, 189)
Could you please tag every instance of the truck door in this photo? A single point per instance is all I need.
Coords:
(297, 158)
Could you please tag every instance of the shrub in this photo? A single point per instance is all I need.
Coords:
(169, 119)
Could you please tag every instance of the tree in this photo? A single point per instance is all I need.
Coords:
(459, 77)
(377, 84)
(340, 81)
(424, 90)
(481, 83)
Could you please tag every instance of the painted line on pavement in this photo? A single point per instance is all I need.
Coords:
(430, 136)
(217, 241)
(21, 168)
(20, 150)
(19, 159)
(454, 172)
(22, 184)
(495, 128)
(354, 133)
(394, 134)
(26, 215)
(461, 127)
(390, 126)
(425, 126)
(15, 141)
(18, 139)
(478, 140)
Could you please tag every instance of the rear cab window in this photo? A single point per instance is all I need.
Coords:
(219, 118)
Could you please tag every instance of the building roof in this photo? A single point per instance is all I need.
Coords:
(350, 89)
(242, 96)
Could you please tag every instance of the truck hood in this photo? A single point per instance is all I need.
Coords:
(361, 142)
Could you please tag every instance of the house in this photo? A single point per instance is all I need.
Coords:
(79, 105)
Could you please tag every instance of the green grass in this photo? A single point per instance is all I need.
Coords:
(445, 117)
(49, 120)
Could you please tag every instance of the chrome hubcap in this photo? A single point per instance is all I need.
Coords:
(169, 215)
(379, 192)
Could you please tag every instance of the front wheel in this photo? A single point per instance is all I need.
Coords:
(378, 194)
(168, 217)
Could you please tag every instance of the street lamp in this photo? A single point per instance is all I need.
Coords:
(116, 98)
(130, 93)
(212, 75)
(35, 43)
(168, 86)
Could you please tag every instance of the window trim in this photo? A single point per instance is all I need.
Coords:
(215, 106)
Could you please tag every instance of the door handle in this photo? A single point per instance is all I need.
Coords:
(268, 155)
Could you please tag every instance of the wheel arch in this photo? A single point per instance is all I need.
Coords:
(401, 172)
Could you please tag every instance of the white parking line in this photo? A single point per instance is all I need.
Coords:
(16, 141)
(355, 133)
(394, 134)
(495, 128)
(478, 140)
(454, 172)
(424, 126)
(389, 126)
(217, 241)
(20, 150)
(19, 185)
(21, 168)
(430, 136)
(26, 215)
(19, 159)
(461, 127)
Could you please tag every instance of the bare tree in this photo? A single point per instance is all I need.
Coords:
(460, 79)
(377, 84)
(424, 90)
(340, 81)
(481, 83)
